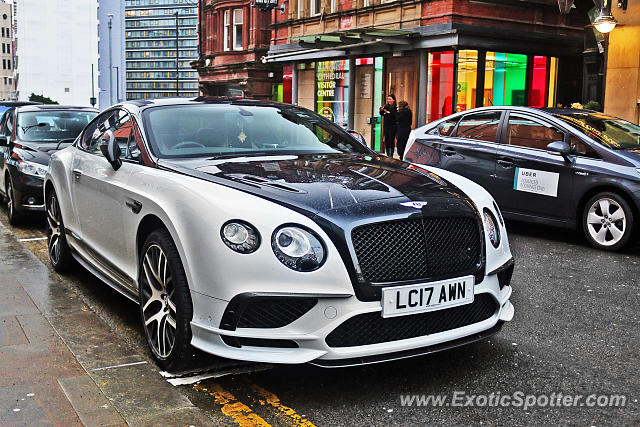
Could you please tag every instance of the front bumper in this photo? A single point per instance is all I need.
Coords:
(28, 193)
(305, 339)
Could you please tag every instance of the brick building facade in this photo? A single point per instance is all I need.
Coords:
(342, 57)
(233, 38)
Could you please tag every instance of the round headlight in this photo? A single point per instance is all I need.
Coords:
(491, 227)
(298, 248)
(240, 236)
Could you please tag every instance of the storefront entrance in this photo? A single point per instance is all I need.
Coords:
(402, 80)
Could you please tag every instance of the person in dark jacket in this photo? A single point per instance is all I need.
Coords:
(404, 118)
(389, 126)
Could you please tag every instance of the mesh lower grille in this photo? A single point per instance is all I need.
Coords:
(371, 328)
(416, 249)
(274, 312)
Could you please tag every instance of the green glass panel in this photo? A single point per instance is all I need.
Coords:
(377, 101)
(516, 76)
(499, 73)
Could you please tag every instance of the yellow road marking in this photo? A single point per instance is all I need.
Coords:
(268, 398)
(231, 407)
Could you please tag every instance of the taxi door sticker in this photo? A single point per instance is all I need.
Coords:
(536, 181)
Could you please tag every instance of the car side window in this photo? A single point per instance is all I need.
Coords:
(526, 132)
(580, 148)
(481, 126)
(446, 128)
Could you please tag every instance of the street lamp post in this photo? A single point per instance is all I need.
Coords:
(177, 58)
(110, 60)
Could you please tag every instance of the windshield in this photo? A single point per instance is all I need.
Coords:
(609, 131)
(229, 130)
(52, 126)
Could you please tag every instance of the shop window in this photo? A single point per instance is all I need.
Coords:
(467, 80)
(505, 79)
(440, 85)
(538, 85)
(480, 126)
(332, 90)
(237, 29)
(525, 132)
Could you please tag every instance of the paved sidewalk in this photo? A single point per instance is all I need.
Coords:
(61, 364)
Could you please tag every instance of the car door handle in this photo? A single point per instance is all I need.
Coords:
(77, 174)
(449, 151)
(506, 163)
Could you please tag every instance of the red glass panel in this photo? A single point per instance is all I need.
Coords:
(287, 76)
(440, 85)
(538, 86)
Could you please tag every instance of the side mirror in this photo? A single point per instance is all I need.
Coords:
(559, 147)
(4, 141)
(111, 151)
(357, 135)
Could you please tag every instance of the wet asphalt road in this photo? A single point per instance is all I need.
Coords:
(576, 331)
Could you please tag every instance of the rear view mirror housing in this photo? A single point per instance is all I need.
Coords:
(560, 147)
(111, 151)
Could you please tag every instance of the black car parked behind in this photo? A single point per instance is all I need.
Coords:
(563, 167)
(28, 137)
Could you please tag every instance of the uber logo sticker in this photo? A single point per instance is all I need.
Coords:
(536, 181)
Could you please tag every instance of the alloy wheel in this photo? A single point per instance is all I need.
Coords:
(606, 221)
(158, 301)
(53, 229)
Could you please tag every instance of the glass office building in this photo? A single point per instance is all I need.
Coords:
(150, 48)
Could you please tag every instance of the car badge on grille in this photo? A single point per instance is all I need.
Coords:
(417, 205)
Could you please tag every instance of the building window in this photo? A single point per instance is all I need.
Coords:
(237, 29)
(225, 37)
(3, 48)
(2, 31)
(316, 7)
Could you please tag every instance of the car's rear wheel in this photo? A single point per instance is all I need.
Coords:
(608, 221)
(165, 302)
(13, 215)
(59, 252)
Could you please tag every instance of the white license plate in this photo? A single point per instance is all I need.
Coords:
(411, 299)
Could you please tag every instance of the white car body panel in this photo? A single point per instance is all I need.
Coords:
(194, 210)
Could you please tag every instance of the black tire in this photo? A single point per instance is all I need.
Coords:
(15, 218)
(59, 252)
(174, 292)
(609, 228)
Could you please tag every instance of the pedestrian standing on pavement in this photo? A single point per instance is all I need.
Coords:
(404, 118)
(389, 126)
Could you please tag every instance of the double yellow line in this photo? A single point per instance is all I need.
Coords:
(244, 416)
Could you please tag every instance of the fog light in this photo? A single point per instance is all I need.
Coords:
(31, 200)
